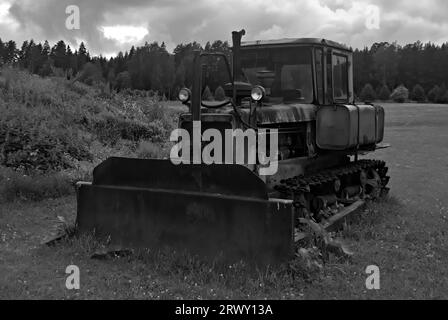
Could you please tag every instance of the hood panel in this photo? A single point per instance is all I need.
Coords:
(273, 114)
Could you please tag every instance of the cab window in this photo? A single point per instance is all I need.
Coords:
(340, 77)
(319, 76)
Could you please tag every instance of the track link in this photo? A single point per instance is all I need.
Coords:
(323, 194)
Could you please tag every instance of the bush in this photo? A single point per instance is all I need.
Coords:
(123, 81)
(400, 94)
(30, 143)
(149, 150)
(17, 186)
(56, 131)
(90, 74)
(207, 95)
(367, 93)
(418, 93)
(220, 94)
(109, 129)
(384, 93)
(442, 96)
(433, 94)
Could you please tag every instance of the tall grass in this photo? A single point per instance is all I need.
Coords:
(53, 126)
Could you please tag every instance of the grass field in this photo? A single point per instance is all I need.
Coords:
(406, 237)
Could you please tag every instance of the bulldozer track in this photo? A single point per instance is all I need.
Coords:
(320, 195)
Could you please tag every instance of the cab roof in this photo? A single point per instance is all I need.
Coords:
(294, 41)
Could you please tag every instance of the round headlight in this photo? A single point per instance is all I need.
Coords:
(184, 95)
(257, 93)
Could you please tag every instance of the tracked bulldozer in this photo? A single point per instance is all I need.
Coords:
(301, 90)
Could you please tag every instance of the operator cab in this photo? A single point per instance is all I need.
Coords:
(304, 70)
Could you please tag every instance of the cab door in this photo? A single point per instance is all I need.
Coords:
(341, 78)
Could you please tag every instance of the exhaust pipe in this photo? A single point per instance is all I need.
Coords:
(236, 40)
(236, 43)
(195, 108)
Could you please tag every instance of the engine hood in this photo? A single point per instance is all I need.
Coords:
(283, 113)
(270, 114)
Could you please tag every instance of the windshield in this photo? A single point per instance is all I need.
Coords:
(285, 73)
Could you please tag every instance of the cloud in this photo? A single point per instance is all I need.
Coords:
(124, 34)
(112, 25)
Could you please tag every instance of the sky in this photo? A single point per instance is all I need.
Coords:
(110, 26)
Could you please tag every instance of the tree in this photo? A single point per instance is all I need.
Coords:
(207, 95)
(82, 56)
(220, 94)
(90, 73)
(386, 59)
(45, 69)
(433, 94)
(384, 93)
(58, 54)
(400, 94)
(442, 96)
(123, 80)
(418, 93)
(2, 52)
(367, 93)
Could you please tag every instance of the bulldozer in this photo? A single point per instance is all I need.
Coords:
(301, 91)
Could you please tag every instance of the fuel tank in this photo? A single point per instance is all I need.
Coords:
(341, 127)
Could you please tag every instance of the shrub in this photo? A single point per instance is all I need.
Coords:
(442, 96)
(433, 93)
(123, 80)
(220, 94)
(90, 74)
(30, 143)
(17, 186)
(150, 150)
(109, 129)
(384, 93)
(54, 125)
(367, 93)
(400, 94)
(207, 95)
(418, 93)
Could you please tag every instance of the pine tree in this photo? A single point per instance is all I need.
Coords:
(207, 95)
(418, 93)
(442, 96)
(82, 57)
(367, 93)
(384, 93)
(400, 94)
(220, 94)
(433, 94)
(58, 54)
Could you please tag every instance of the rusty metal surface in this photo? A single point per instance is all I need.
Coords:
(206, 224)
(301, 166)
(229, 179)
(294, 42)
(266, 115)
(334, 222)
(284, 113)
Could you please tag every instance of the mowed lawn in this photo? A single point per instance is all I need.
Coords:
(406, 237)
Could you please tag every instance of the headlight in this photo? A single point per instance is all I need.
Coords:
(257, 93)
(184, 95)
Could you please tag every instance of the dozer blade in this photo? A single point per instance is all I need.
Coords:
(210, 210)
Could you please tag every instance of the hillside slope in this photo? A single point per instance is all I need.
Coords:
(53, 127)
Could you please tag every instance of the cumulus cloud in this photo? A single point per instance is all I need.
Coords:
(112, 25)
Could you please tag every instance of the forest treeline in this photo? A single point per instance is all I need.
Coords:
(385, 70)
